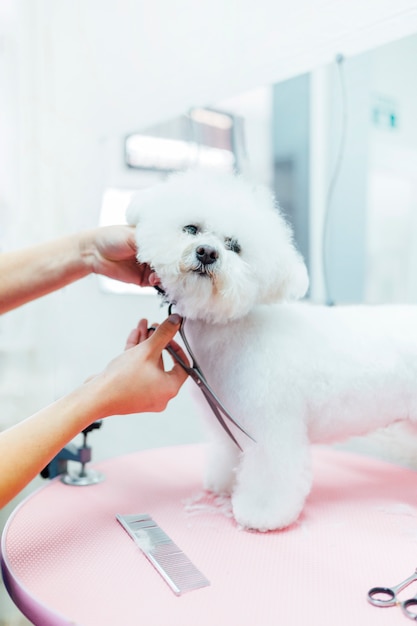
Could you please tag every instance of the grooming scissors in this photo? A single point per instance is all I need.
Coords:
(198, 377)
(390, 596)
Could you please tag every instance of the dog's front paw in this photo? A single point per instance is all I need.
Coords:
(263, 512)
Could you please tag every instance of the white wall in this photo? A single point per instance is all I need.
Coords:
(339, 161)
(371, 245)
(392, 210)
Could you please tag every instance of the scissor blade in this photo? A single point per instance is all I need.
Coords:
(219, 405)
(220, 418)
(214, 402)
(190, 370)
(200, 382)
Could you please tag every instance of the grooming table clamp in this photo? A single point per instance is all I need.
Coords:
(59, 464)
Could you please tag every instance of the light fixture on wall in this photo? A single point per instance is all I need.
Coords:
(169, 155)
(202, 138)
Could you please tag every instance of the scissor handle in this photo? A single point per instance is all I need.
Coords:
(389, 600)
(391, 594)
(405, 606)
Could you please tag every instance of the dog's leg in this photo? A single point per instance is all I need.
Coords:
(222, 460)
(273, 480)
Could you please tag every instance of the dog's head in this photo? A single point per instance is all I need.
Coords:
(218, 244)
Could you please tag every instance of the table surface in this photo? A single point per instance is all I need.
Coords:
(66, 560)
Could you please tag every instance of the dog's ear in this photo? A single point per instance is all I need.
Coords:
(288, 277)
(294, 281)
(133, 210)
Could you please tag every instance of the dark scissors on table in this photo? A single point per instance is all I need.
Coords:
(198, 377)
(387, 596)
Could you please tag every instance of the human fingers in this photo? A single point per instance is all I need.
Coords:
(116, 243)
(138, 334)
(162, 337)
(177, 372)
(136, 380)
(111, 251)
(152, 328)
(153, 278)
(164, 333)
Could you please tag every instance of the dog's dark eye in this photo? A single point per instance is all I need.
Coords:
(191, 229)
(232, 244)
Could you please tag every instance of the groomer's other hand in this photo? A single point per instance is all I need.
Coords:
(111, 251)
(137, 381)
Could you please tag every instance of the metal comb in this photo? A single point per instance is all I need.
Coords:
(172, 564)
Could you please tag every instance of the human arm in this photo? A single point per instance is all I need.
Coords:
(133, 382)
(36, 271)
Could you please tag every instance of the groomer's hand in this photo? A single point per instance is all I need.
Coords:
(137, 381)
(111, 251)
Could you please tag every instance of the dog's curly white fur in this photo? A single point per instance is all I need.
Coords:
(291, 372)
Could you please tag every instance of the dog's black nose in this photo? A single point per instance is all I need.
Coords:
(206, 255)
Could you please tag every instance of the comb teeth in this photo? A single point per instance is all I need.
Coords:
(172, 564)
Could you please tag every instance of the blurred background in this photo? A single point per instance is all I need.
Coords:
(98, 98)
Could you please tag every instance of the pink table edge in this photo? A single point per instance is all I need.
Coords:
(33, 608)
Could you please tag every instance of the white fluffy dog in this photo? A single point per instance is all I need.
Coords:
(291, 373)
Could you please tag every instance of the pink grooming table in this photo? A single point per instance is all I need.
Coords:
(66, 560)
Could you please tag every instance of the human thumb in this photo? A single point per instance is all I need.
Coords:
(165, 332)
